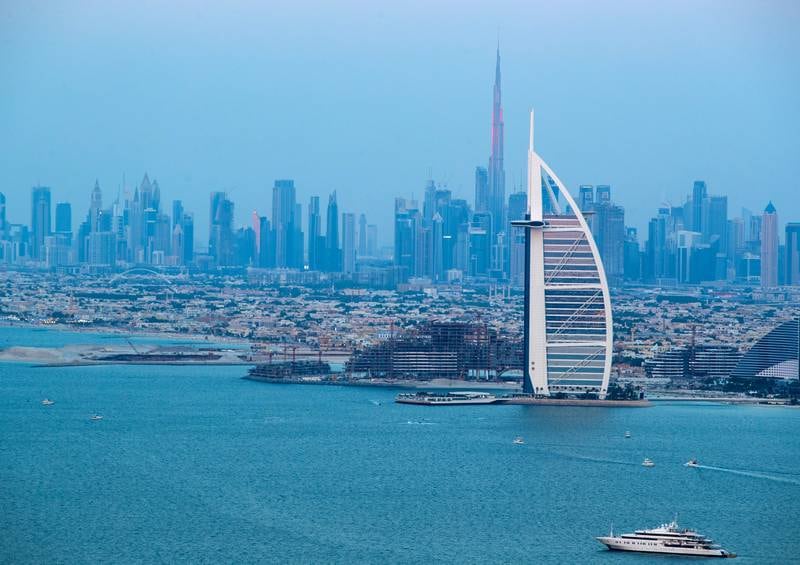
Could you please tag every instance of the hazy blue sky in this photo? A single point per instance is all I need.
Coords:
(365, 97)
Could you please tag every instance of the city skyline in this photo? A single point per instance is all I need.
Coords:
(699, 113)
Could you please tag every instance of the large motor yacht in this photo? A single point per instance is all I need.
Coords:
(667, 538)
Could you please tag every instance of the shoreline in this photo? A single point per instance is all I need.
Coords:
(121, 332)
(404, 384)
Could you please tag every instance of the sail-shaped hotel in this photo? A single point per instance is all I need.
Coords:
(568, 325)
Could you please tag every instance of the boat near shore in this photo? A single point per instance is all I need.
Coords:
(446, 399)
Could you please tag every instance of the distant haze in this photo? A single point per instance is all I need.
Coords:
(366, 97)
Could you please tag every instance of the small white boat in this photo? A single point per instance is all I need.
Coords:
(96, 417)
(47, 402)
(691, 463)
(627, 435)
(648, 463)
(519, 441)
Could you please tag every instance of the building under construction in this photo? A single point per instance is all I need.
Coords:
(448, 350)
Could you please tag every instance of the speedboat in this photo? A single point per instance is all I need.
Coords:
(519, 440)
(96, 417)
(627, 435)
(47, 402)
(691, 463)
(648, 463)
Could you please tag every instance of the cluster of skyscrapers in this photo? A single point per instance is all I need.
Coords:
(698, 242)
(135, 230)
(442, 239)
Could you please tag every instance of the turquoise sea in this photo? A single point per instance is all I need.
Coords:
(198, 465)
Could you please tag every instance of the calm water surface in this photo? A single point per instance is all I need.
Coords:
(197, 464)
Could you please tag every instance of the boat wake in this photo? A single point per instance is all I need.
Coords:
(754, 474)
(595, 459)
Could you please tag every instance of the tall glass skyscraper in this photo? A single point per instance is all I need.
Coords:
(40, 220)
(769, 247)
(348, 242)
(793, 253)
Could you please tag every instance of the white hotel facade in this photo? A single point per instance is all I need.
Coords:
(568, 323)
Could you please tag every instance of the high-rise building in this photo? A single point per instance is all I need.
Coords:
(40, 220)
(362, 235)
(178, 243)
(429, 204)
(480, 248)
(716, 221)
(481, 189)
(221, 240)
(64, 220)
(608, 229)
(793, 253)
(266, 250)
(568, 330)
(372, 240)
(585, 197)
(633, 255)
(177, 212)
(407, 221)
(333, 253)
(286, 225)
(187, 225)
(316, 243)
(655, 250)
(348, 242)
(102, 248)
(769, 247)
(437, 271)
(517, 208)
(699, 195)
(603, 194)
(95, 208)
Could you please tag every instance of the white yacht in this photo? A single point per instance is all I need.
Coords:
(448, 399)
(667, 538)
(648, 463)
(519, 441)
(691, 463)
(47, 402)
(627, 435)
(96, 417)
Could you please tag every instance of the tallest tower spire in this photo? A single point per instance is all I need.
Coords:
(497, 68)
(497, 174)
